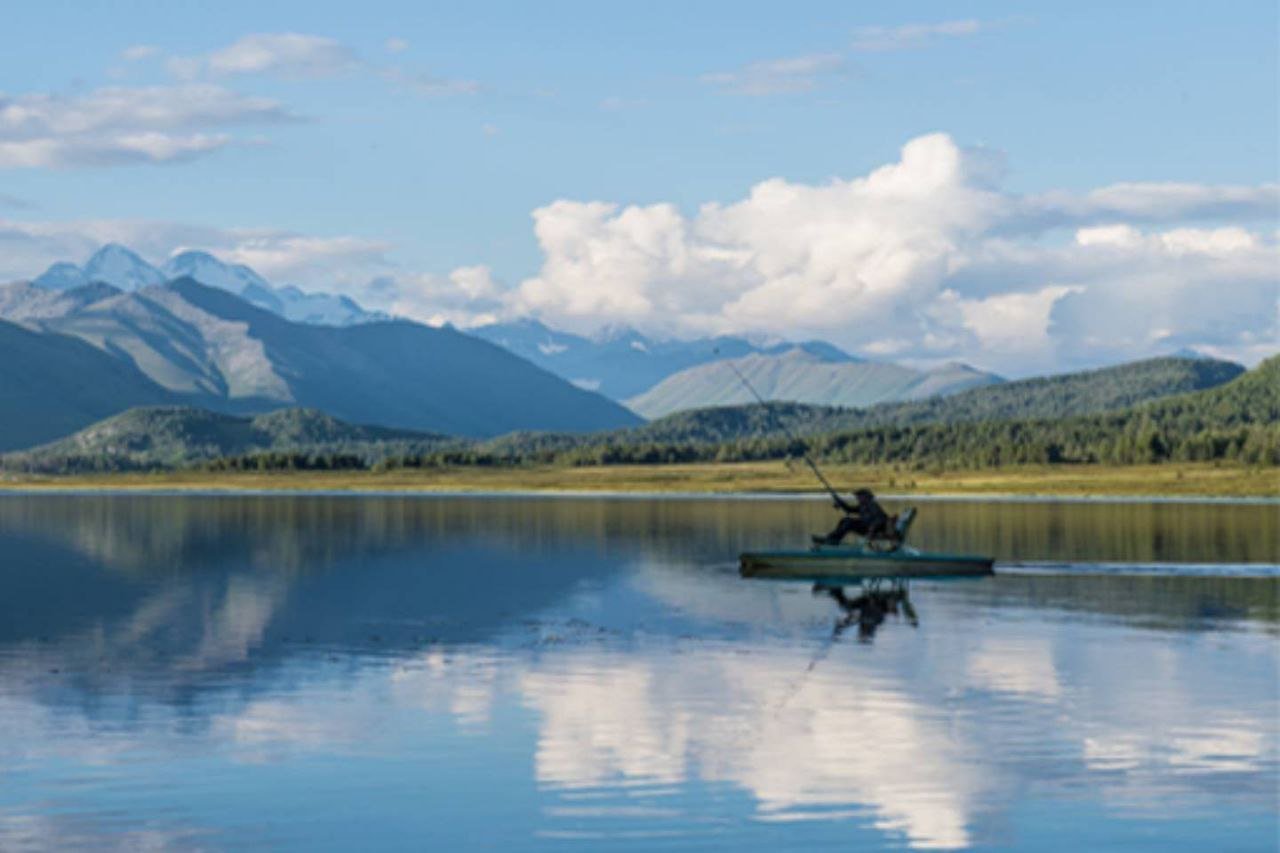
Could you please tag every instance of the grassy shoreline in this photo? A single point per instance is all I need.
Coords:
(1168, 480)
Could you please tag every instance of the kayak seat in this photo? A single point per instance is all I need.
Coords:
(902, 523)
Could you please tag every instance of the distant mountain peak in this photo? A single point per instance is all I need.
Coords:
(63, 275)
(207, 269)
(122, 267)
(617, 332)
(112, 264)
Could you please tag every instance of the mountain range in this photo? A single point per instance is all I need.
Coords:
(1086, 392)
(185, 343)
(83, 342)
(1206, 407)
(622, 363)
(124, 269)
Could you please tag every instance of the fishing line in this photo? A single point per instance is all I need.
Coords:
(804, 454)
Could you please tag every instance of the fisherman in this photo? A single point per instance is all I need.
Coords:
(867, 518)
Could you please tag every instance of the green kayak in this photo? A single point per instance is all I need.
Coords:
(825, 561)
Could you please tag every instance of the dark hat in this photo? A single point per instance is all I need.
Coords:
(863, 493)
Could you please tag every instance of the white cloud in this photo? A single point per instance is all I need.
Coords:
(1147, 203)
(297, 56)
(778, 76)
(928, 256)
(151, 124)
(289, 55)
(876, 39)
(468, 296)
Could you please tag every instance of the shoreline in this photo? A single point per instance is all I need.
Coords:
(604, 494)
(1190, 483)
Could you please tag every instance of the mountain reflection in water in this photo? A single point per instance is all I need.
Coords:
(281, 671)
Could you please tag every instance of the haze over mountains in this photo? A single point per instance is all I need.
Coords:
(803, 376)
(622, 363)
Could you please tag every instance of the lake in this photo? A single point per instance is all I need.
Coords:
(591, 673)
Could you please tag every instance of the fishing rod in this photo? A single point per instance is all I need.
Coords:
(804, 454)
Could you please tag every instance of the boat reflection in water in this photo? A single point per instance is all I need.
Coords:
(319, 672)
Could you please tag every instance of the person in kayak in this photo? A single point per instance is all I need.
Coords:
(867, 518)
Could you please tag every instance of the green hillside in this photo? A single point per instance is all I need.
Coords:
(1066, 395)
(1238, 420)
(173, 437)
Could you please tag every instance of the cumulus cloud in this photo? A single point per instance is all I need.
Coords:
(876, 39)
(778, 76)
(468, 296)
(112, 125)
(927, 257)
(289, 55)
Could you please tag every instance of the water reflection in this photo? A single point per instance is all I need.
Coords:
(523, 673)
(870, 605)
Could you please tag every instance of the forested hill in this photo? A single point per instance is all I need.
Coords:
(1237, 420)
(1234, 420)
(181, 436)
(1066, 395)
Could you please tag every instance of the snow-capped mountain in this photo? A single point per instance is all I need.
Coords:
(61, 276)
(122, 268)
(207, 269)
(112, 264)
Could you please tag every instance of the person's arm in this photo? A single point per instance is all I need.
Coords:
(841, 504)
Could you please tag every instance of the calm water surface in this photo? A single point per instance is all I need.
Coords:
(347, 673)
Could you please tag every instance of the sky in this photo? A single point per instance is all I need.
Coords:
(1021, 187)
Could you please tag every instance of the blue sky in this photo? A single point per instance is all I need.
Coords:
(425, 138)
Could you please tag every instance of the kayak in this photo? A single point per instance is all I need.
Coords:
(827, 561)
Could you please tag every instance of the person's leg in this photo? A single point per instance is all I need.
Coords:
(848, 524)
